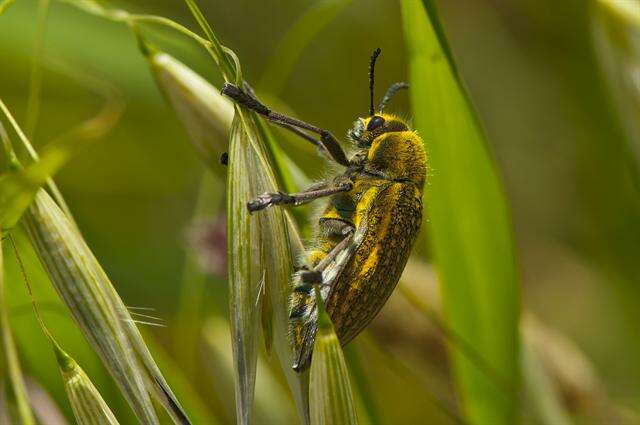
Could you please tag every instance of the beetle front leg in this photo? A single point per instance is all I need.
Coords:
(268, 199)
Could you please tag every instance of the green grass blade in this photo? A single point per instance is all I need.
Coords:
(68, 263)
(330, 395)
(204, 112)
(98, 309)
(202, 109)
(9, 357)
(217, 50)
(259, 257)
(86, 402)
(469, 225)
(246, 275)
(289, 49)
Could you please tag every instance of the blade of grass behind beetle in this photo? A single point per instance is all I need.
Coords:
(330, 396)
(469, 223)
(10, 356)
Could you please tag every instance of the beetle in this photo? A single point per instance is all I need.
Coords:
(372, 216)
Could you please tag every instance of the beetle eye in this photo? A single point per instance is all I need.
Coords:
(375, 122)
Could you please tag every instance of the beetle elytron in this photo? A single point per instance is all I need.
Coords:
(372, 216)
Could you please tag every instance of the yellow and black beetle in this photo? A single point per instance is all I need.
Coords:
(373, 213)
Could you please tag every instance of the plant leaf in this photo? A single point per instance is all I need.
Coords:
(245, 272)
(102, 316)
(89, 408)
(217, 50)
(330, 395)
(204, 112)
(66, 259)
(469, 224)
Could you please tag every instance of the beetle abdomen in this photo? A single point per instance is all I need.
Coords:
(370, 277)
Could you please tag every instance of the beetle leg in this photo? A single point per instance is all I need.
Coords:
(303, 310)
(249, 91)
(327, 143)
(268, 199)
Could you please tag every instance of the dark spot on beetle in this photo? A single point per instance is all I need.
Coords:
(375, 123)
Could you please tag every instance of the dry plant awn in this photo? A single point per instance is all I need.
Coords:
(372, 216)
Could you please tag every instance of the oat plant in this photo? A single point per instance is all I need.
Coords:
(459, 290)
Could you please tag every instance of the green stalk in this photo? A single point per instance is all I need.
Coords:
(469, 224)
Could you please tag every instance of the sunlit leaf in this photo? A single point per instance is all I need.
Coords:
(217, 50)
(67, 260)
(245, 273)
(469, 223)
(330, 395)
(97, 308)
(205, 113)
(86, 402)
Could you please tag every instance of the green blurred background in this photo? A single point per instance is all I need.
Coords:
(531, 70)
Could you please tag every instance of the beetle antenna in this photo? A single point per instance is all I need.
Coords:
(372, 65)
(391, 91)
